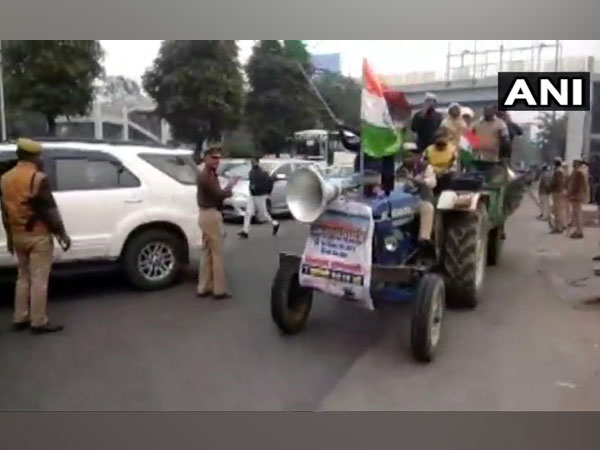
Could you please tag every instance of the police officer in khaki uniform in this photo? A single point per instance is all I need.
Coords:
(31, 219)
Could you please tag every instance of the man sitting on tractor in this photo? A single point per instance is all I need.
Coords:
(442, 155)
(422, 174)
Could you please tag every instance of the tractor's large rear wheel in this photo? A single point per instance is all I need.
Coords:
(465, 257)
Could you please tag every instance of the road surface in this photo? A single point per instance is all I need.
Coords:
(525, 348)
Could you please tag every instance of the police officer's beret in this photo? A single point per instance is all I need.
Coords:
(29, 146)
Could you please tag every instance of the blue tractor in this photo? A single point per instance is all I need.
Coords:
(398, 274)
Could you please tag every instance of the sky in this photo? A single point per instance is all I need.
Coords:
(131, 58)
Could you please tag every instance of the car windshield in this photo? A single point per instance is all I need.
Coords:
(243, 170)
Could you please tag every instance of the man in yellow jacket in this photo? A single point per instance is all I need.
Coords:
(31, 220)
(442, 155)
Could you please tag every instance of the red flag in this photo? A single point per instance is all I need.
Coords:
(473, 139)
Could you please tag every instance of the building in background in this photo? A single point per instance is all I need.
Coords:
(331, 62)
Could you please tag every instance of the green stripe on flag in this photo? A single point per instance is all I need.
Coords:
(378, 142)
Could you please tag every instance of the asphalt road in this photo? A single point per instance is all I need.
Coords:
(523, 348)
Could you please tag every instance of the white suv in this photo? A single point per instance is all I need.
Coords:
(127, 204)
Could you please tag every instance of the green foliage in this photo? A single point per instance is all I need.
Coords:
(279, 102)
(343, 95)
(198, 88)
(239, 144)
(52, 78)
(552, 137)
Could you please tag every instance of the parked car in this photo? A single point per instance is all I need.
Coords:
(235, 206)
(133, 206)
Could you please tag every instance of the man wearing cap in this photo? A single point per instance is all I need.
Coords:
(579, 192)
(31, 219)
(210, 201)
(454, 125)
(426, 122)
(416, 168)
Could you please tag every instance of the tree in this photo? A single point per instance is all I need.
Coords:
(343, 95)
(279, 102)
(197, 86)
(552, 136)
(53, 78)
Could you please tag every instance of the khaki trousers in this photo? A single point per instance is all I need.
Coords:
(559, 210)
(577, 216)
(426, 215)
(212, 270)
(34, 256)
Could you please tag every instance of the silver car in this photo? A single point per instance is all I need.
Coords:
(279, 170)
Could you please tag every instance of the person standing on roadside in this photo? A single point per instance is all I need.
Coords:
(261, 186)
(210, 197)
(544, 191)
(426, 123)
(557, 189)
(579, 192)
(31, 219)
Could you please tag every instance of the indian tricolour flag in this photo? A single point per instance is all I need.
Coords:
(379, 136)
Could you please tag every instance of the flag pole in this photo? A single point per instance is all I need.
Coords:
(317, 93)
(2, 108)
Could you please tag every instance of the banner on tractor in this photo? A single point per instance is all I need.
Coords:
(337, 256)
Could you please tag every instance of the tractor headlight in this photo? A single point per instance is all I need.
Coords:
(391, 243)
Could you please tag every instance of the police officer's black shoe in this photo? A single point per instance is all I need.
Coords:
(275, 228)
(243, 235)
(48, 328)
(20, 326)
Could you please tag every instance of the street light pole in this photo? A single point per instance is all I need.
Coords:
(2, 110)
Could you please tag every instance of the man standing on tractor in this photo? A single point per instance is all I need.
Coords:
(454, 125)
(493, 136)
(426, 122)
(558, 188)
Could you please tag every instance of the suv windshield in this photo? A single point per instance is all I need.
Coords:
(179, 167)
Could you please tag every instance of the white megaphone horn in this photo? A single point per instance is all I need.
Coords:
(308, 194)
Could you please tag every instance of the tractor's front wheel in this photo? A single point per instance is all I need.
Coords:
(428, 312)
(290, 302)
(465, 256)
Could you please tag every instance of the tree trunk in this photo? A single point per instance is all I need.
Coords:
(51, 120)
